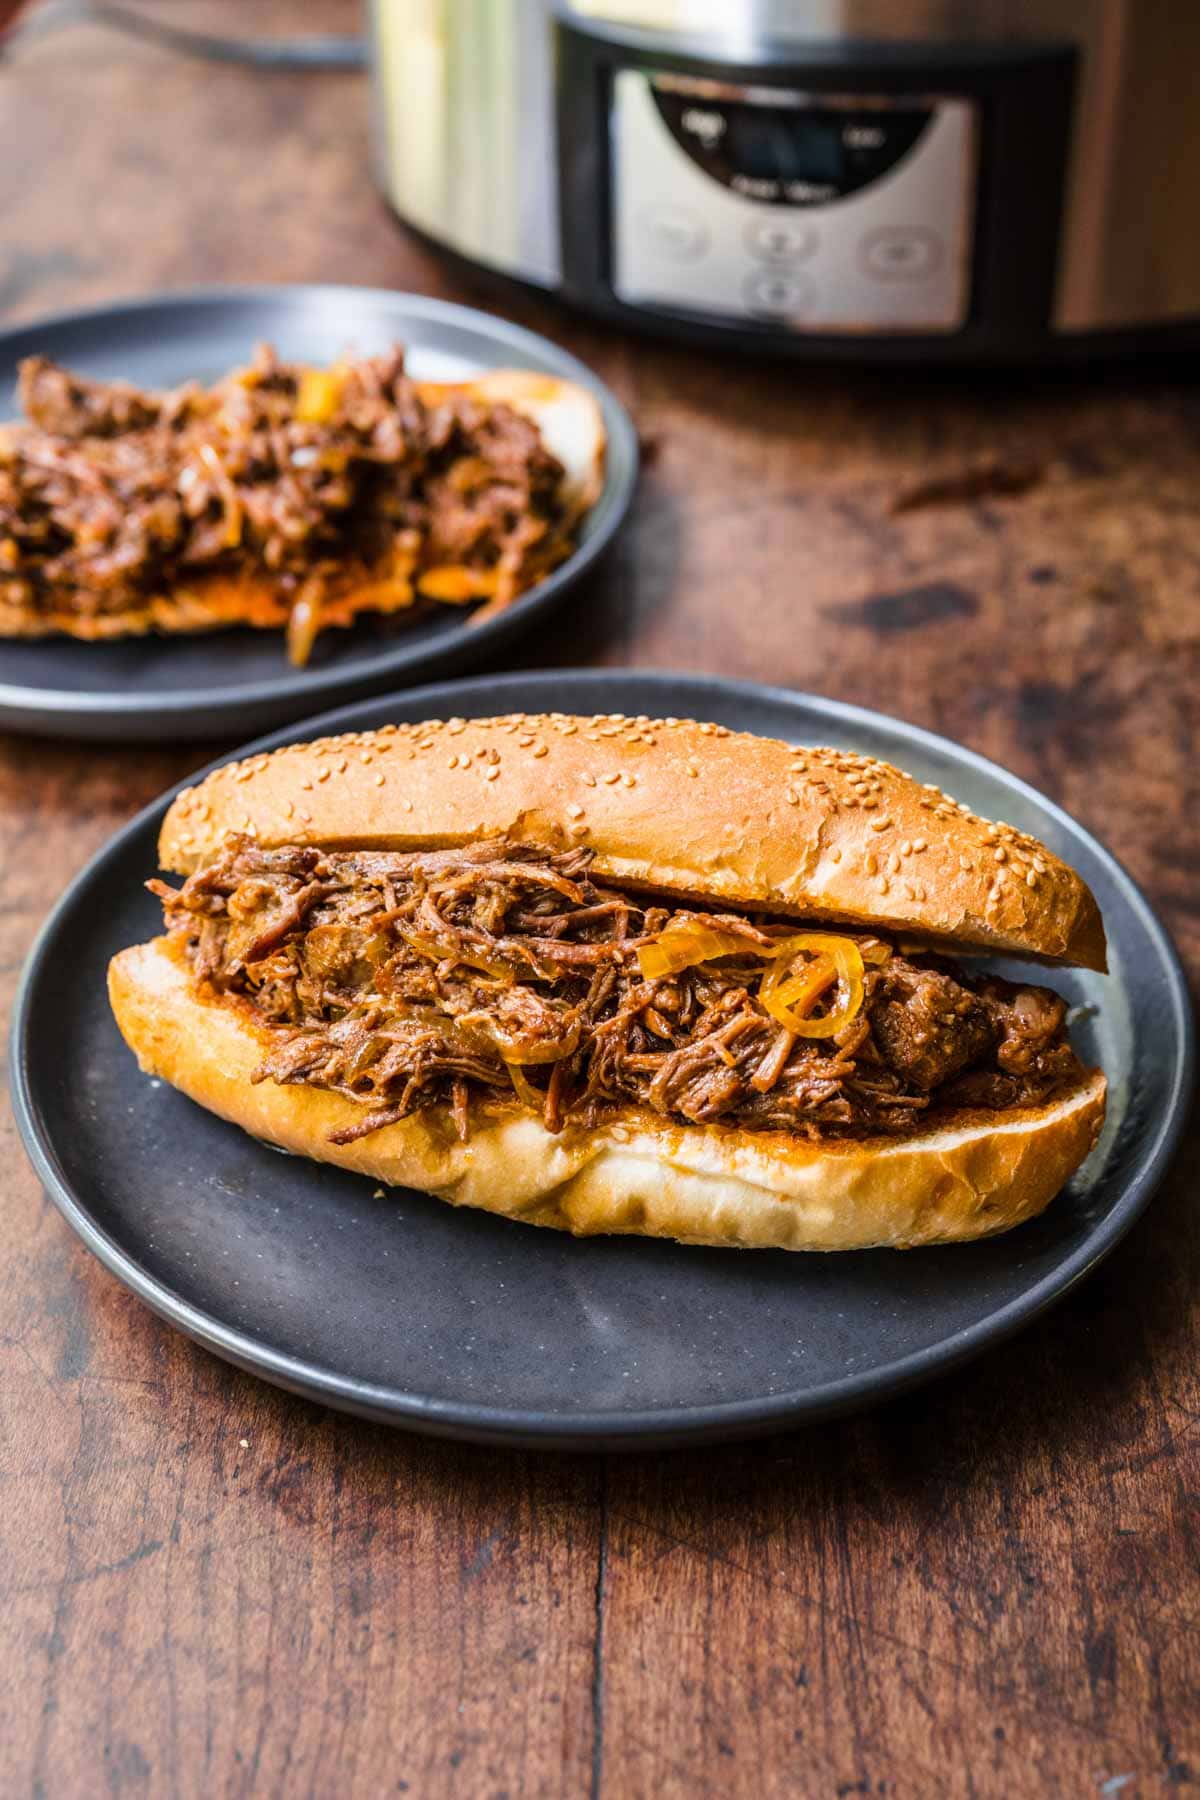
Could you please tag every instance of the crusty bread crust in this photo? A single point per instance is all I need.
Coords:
(572, 429)
(640, 1174)
(687, 809)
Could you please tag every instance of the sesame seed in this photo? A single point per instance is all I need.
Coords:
(1001, 854)
(629, 781)
(491, 772)
(323, 775)
(342, 766)
(884, 884)
(1031, 879)
(288, 809)
(906, 848)
(453, 763)
(578, 831)
(569, 730)
(611, 780)
(871, 865)
(880, 824)
(893, 864)
(379, 780)
(692, 770)
(306, 785)
(539, 750)
(575, 811)
(920, 844)
(589, 781)
(793, 799)
(835, 855)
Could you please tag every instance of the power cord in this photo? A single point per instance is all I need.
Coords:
(313, 53)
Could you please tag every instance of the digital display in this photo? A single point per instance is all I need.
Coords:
(785, 147)
(792, 155)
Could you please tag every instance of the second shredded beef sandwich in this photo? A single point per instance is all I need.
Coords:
(619, 974)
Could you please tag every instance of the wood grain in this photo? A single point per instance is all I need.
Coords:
(989, 1589)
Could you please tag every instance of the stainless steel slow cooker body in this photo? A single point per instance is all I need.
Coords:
(873, 179)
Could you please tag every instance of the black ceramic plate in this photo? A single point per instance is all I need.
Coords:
(465, 1325)
(240, 681)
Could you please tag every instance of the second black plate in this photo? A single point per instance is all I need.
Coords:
(467, 1325)
(240, 681)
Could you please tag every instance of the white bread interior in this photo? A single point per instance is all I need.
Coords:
(638, 1174)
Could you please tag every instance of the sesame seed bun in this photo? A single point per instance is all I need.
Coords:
(975, 1175)
(571, 425)
(686, 809)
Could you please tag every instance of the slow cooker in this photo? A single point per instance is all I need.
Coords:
(931, 180)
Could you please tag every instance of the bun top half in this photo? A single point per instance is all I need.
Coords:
(687, 809)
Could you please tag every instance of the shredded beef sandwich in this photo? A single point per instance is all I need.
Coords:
(625, 975)
(282, 495)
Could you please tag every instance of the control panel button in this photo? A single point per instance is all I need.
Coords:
(901, 253)
(674, 232)
(780, 239)
(778, 294)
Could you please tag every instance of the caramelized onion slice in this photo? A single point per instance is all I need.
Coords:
(471, 959)
(515, 1051)
(219, 475)
(525, 1091)
(304, 623)
(790, 998)
(687, 941)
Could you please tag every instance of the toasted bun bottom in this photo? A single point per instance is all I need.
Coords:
(639, 1174)
(208, 603)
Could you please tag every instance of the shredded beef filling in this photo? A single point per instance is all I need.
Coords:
(465, 977)
(110, 496)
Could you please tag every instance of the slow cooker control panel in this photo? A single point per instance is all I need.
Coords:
(810, 212)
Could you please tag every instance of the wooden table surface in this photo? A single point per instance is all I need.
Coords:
(989, 1588)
